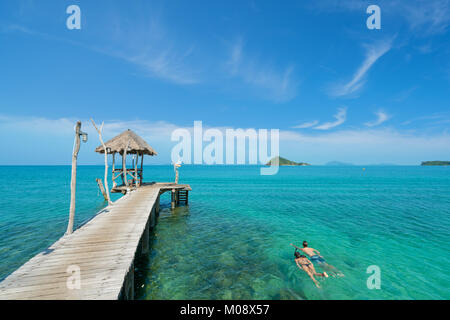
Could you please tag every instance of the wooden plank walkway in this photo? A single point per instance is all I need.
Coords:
(103, 249)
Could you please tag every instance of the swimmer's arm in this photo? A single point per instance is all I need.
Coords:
(316, 251)
(295, 246)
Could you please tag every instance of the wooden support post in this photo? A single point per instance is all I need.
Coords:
(73, 180)
(157, 204)
(124, 164)
(153, 217)
(146, 237)
(142, 168)
(121, 175)
(128, 286)
(136, 181)
(102, 189)
(187, 197)
(173, 199)
(113, 169)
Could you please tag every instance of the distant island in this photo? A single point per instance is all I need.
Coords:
(435, 163)
(339, 164)
(285, 162)
(347, 164)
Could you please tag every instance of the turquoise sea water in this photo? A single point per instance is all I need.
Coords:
(232, 241)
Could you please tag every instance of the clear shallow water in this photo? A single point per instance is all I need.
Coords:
(232, 242)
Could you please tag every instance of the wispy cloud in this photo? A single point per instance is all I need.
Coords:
(425, 16)
(373, 53)
(405, 94)
(278, 85)
(146, 45)
(381, 117)
(236, 56)
(340, 117)
(439, 117)
(149, 43)
(306, 125)
(167, 65)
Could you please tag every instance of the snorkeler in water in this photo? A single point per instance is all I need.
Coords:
(304, 264)
(315, 256)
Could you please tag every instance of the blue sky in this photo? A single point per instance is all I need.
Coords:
(334, 88)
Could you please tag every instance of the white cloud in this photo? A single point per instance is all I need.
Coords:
(39, 140)
(373, 53)
(381, 117)
(277, 85)
(340, 117)
(306, 125)
(365, 146)
(65, 126)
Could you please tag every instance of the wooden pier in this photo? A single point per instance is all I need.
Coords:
(97, 260)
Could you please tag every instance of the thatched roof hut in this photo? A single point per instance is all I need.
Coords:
(124, 144)
(137, 145)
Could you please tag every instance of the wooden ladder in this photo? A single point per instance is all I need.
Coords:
(183, 196)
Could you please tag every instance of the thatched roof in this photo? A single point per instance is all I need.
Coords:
(119, 143)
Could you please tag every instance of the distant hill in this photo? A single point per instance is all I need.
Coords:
(338, 164)
(286, 162)
(435, 163)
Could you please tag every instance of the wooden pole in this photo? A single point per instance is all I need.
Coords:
(157, 204)
(124, 164)
(113, 169)
(142, 168)
(102, 189)
(145, 243)
(175, 168)
(135, 170)
(73, 180)
(128, 286)
(173, 199)
(123, 179)
(153, 218)
(106, 160)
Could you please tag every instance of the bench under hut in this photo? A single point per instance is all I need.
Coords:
(125, 144)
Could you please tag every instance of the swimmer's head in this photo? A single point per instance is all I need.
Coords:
(297, 254)
(305, 244)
